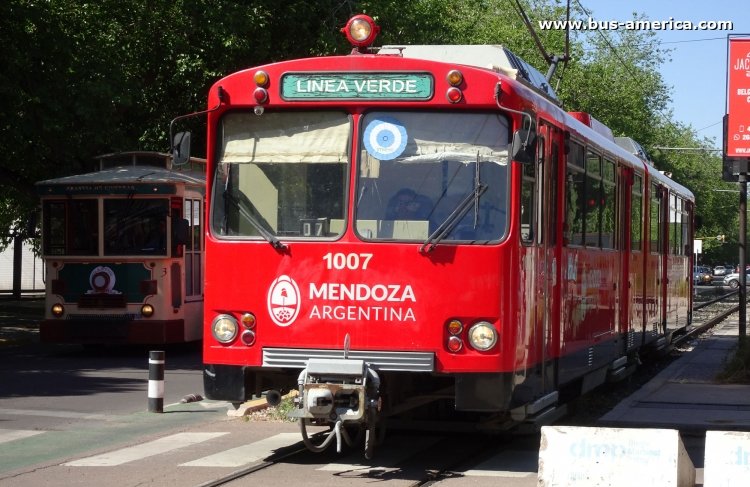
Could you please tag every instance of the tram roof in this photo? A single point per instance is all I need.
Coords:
(496, 58)
(120, 176)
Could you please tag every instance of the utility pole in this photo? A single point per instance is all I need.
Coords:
(743, 255)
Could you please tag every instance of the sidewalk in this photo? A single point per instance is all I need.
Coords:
(685, 396)
(19, 320)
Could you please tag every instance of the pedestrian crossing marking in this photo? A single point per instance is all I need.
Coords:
(246, 454)
(10, 435)
(144, 450)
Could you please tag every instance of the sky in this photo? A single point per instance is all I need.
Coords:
(697, 72)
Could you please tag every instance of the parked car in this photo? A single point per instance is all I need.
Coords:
(702, 275)
(733, 280)
(720, 270)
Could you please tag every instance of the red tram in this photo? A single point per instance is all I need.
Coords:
(425, 223)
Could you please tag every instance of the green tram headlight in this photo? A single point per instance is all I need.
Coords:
(224, 328)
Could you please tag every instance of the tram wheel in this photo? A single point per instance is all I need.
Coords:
(374, 436)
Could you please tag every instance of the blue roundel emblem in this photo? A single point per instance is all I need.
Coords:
(385, 138)
(283, 300)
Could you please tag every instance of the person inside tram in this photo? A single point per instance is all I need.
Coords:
(157, 239)
(407, 204)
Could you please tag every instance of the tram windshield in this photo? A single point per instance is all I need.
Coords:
(135, 226)
(282, 175)
(132, 226)
(427, 175)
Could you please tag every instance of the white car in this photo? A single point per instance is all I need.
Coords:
(720, 270)
(733, 280)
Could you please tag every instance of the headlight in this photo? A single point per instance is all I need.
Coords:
(224, 328)
(147, 310)
(57, 310)
(482, 336)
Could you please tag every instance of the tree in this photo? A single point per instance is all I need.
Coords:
(79, 79)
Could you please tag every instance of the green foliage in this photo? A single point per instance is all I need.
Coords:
(80, 79)
(737, 368)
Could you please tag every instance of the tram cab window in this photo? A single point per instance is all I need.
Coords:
(71, 227)
(420, 172)
(135, 226)
(281, 174)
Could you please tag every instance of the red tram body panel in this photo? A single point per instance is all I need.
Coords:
(385, 230)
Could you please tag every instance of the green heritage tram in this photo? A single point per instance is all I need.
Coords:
(123, 251)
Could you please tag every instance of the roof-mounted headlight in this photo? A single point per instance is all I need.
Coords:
(361, 31)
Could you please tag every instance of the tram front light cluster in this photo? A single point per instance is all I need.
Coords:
(455, 344)
(248, 335)
(454, 79)
(481, 336)
(262, 80)
(57, 310)
(224, 328)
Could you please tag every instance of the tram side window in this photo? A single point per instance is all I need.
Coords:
(675, 230)
(687, 241)
(528, 209)
(575, 183)
(71, 227)
(593, 192)
(609, 205)
(636, 213)
(678, 225)
(655, 221)
(193, 254)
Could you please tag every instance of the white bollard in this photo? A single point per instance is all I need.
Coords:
(580, 456)
(726, 459)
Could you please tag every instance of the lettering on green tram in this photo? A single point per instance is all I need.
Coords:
(353, 86)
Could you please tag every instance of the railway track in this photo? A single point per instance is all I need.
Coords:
(707, 314)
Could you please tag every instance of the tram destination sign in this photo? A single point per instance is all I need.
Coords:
(357, 86)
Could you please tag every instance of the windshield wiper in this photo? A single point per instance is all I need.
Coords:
(452, 220)
(268, 236)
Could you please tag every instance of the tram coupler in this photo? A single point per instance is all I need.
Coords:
(337, 393)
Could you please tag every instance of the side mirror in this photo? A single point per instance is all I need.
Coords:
(523, 146)
(181, 148)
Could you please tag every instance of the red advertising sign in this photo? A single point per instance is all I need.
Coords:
(738, 99)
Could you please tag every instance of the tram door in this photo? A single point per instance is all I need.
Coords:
(655, 269)
(633, 263)
(548, 248)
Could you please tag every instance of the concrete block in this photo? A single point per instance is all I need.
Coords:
(581, 456)
(727, 459)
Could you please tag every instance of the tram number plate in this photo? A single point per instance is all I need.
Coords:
(341, 261)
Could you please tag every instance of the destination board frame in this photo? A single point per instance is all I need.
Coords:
(360, 85)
